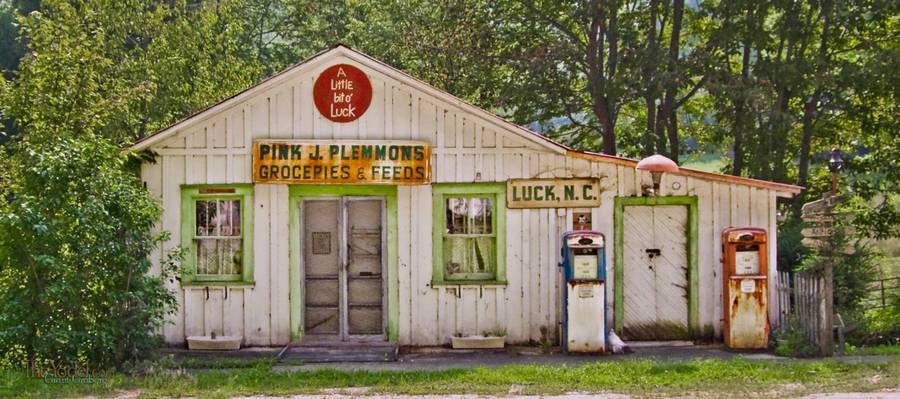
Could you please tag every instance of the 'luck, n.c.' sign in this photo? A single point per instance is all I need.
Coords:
(553, 193)
(342, 93)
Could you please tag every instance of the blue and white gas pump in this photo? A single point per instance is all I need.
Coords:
(584, 296)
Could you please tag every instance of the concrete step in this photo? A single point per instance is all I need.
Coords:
(341, 352)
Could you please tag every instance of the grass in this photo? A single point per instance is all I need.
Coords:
(642, 378)
(886, 349)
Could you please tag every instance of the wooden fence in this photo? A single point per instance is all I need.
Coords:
(806, 300)
(879, 292)
(784, 297)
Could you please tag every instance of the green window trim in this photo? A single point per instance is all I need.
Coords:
(190, 194)
(439, 193)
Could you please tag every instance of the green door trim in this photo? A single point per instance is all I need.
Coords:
(296, 194)
(692, 251)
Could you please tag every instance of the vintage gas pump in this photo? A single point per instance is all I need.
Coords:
(584, 296)
(745, 274)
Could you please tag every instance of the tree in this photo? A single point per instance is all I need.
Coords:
(75, 244)
(568, 63)
(122, 69)
(455, 45)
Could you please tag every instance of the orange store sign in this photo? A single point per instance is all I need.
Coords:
(341, 162)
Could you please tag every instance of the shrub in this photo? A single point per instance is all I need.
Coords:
(883, 324)
(76, 232)
(793, 342)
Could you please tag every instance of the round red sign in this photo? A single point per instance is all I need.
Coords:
(342, 93)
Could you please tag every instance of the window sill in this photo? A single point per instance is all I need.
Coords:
(220, 283)
(468, 282)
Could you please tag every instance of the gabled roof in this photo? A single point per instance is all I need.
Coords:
(372, 63)
(146, 142)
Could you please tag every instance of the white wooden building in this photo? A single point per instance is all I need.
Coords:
(279, 263)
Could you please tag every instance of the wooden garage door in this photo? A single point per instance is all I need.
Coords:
(655, 272)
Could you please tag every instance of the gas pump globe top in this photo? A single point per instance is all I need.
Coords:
(584, 296)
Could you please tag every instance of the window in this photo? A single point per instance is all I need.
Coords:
(468, 237)
(218, 237)
(216, 231)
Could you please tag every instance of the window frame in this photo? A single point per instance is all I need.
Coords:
(439, 195)
(190, 194)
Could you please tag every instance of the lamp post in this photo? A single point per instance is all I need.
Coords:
(835, 164)
(657, 165)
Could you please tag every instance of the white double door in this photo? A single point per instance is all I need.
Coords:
(655, 272)
(344, 268)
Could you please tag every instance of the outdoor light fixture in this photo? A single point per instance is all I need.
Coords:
(835, 165)
(657, 165)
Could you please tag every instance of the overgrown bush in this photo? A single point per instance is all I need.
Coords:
(793, 342)
(853, 273)
(854, 262)
(791, 251)
(76, 230)
(883, 324)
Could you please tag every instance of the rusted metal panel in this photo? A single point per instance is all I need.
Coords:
(586, 328)
(553, 193)
(341, 162)
(748, 313)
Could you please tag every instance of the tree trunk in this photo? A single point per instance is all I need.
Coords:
(811, 106)
(651, 95)
(738, 127)
(672, 82)
(737, 130)
(599, 72)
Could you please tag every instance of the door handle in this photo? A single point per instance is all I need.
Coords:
(653, 252)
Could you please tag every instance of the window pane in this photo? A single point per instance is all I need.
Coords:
(236, 218)
(219, 256)
(207, 218)
(469, 215)
(231, 256)
(470, 255)
(219, 218)
(207, 257)
(201, 217)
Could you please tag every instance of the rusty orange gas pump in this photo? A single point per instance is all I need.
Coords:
(746, 290)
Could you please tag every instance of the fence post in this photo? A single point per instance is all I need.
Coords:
(826, 333)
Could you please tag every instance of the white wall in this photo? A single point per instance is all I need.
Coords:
(216, 149)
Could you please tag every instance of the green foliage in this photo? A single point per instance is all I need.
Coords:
(454, 45)
(793, 342)
(883, 324)
(876, 350)
(76, 234)
(853, 273)
(121, 69)
(645, 378)
(791, 251)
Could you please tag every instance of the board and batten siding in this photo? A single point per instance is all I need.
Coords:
(467, 147)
